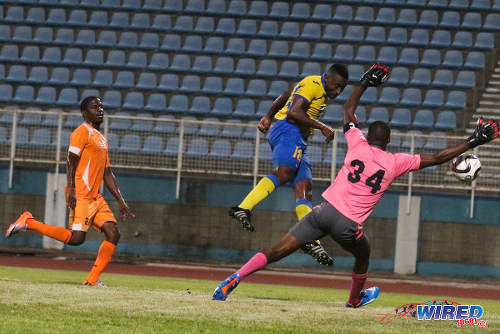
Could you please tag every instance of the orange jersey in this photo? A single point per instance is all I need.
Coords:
(92, 148)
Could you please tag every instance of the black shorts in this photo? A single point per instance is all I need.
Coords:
(326, 220)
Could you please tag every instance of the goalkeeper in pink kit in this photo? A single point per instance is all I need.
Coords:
(367, 173)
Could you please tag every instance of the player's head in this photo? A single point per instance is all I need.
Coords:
(92, 110)
(335, 80)
(379, 134)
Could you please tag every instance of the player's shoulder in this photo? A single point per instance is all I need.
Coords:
(313, 81)
(82, 130)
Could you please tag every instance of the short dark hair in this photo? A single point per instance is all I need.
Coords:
(339, 69)
(84, 105)
(379, 131)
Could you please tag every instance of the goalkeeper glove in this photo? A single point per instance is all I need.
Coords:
(485, 131)
(375, 76)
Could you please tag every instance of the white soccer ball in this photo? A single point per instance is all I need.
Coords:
(466, 167)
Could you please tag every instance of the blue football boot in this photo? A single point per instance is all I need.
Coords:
(367, 296)
(224, 289)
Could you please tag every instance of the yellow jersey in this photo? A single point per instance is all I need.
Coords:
(311, 89)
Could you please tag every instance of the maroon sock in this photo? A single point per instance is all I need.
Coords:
(358, 280)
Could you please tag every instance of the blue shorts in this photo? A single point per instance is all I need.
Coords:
(289, 149)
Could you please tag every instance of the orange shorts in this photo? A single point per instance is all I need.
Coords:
(90, 211)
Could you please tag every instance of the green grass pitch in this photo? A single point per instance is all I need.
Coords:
(53, 301)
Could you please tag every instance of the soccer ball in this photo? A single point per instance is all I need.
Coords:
(466, 167)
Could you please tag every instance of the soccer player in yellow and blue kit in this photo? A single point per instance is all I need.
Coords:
(297, 114)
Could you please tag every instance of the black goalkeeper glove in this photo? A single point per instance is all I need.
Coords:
(485, 132)
(375, 76)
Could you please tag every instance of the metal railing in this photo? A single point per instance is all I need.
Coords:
(218, 149)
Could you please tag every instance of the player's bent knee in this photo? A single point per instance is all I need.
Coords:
(77, 238)
(112, 232)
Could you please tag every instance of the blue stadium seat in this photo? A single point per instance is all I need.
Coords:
(289, 69)
(36, 15)
(245, 108)
(224, 65)
(157, 102)
(230, 130)
(428, 18)
(311, 68)
(64, 36)
(434, 98)
(133, 101)
(119, 20)
(257, 47)
(441, 39)
(2, 71)
(456, 100)
(163, 125)
(173, 5)
(22, 136)
(419, 141)
(407, 17)
(446, 120)
(51, 55)
(300, 11)
(226, 26)
(198, 147)
(387, 55)
(450, 19)
(412, 97)
(180, 63)
(475, 60)
(235, 46)
(190, 84)
(277, 88)
(386, 16)
(9, 53)
(267, 68)
(342, 97)
(214, 45)
(172, 146)
(218, 7)
(312, 31)
(14, 15)
(342, 14)
(81, 77)
(399, 76)
(453, 59)
(376, 35)
(322, 51)
(421, 77)
(221, 148)
(88, 92)
(103, 78)
(124, 79)
(355, 72)
(17, 73)
(364, 14)
(128, 40)
(247, 28)
(265, 153)
(59, 76)
(94, 58)
(289, 30)
(30, 54)
(440, 4)
(112, 99)
(370, 96)
(204, 25)
(408, 56)
(23, 34)
(223, 106)
(110, 4)
(378, 114)
(195, 7)
(85, 37)
(278, 49)
(250, 132)
(443, 78)
(159, 61)
(140, 21)
(484, 41)
(120, 123)
(161, 22)
(31, 119)
(72, 56)
(211, 130)
(423, 119)
(56, 16)
(168, 82)
(143, 125)
(107, 39)
(280, 10)
(257, 9)
(116, 58)
(354, 34)
(389, 96)
(366, 54)
(46, 95)
(345, 53)
(466, 79)
(315, 154)
(471, 21)
(149, 40)
(322, 12)
(268, 29)
(24, 94)
(98, 19)
(38, 75)
(234, 87)
(437, 143)
(401, 117)
(491, 22)
(419, 37)
(463, 40)
(236, 7)
(68, 97)
(130, 143)
(256, 88)
(5, 92)
(480, 5)
(212, 85)
(200, 105)
(183, 24)
(192, 44)
(4, 33)
(178, 104)
(431, 58)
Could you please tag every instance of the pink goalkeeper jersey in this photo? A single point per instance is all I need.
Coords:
(367, 173)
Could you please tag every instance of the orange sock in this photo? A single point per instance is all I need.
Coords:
(105, 252)
(54, 232)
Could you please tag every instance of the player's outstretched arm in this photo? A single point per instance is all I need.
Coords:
(376, 76)
(112, 185)
(278, 103)
(485, 132)
(71, 165)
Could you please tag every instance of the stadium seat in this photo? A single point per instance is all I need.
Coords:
(165, 125)
(436, 143)
(243, 149)
(433, 98)
(342, 97)
(342, 14)
(268, 29)
(157, 102)
(68, 97)
(120, 123)
(267, 68)
(491, 22)
(334, 113)
(484, 41)
(446, 120)
(463, 40)
(190, 84)
(5, 92)
(378, 114)
(46, 95)
(192, 44)
(471, 21)
(171, 42)
(173, 6)
(235, 46)
(143, 125)
(256, 88)
(103, 78)
(376, 35)
(140, 21)
(475, 60)
(399, 76)
(51, 55)
(245, 108)
(212, 85)
(107, 39)
(289, 69)
(159, 61)
(456, 100)
(218, 7)
(230, 130)
(36, 15)
(443, 78)
(110, 4)
(257, 9)
(366, 54)
(128, 40)
(72, 56)
(223, 106)
(130, 143)
(421, 77)
(9, 53)
(124, 79)
(180, 63)
(423, 119)
(226, 26)
(419, 141)
(31, 119)
(386, 16)
(280, 10)
(322, 12)
(200, 105)
(133, 101)
(17, 73)
(312, 31)
(412, 97)
(211, 130)
(98, 19)
(220, 148)
(149, 41)
(245, 67)
(116, 58)
(24, 94)
(466, 80)
(441, 39)
(278, 49)
(419, 37)
(94, 58)
(214, 45)
(389, 96)
(257, 47)
(153, 144)
(387, 55)
(59, 76)
(450, 19)
(89, 92)
(64, 37)
(169, 82)
(407, 17)
(161, 22)
(322, 51)
(370, 96)
(364, 14)
(431, 58)
(428, 19)
(30, 54)
(401, 117)
(277, 88)
(311, 68)
(178, 104)
(289, 30)
(247, 28)
(195, 7)
(85, 37)
(354, 34)
(408, 56)
(234, 87)
(38, 75)
(183, 24)
(112, 99)
(224, 65)
(453, 59)
(197, 147)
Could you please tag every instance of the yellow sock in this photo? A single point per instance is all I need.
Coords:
(302, 210)
(265, 186)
